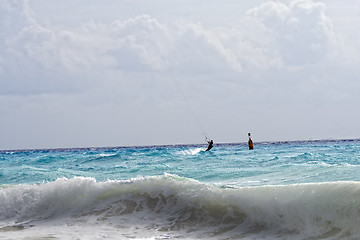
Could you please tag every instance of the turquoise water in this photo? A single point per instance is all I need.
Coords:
(228, 164)
(285, 190)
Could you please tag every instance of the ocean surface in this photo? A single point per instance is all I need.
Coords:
(284, 190)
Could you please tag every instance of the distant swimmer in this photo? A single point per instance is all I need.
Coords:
(250, 142)
(211, 142)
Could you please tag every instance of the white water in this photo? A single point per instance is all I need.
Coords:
(169, 206)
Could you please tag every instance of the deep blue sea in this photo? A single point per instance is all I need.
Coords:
(280, 190)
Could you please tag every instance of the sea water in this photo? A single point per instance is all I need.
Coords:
(285, 190)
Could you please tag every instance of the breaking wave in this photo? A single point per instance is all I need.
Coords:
(174, 204)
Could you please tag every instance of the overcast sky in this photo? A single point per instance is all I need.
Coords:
(90, 73)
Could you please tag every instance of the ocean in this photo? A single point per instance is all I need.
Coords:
(280, 190)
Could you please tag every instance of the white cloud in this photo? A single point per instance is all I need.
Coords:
(301, 31)
(271, 35)
(277, 56)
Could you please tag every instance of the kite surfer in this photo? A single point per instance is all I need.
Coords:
(210, 142)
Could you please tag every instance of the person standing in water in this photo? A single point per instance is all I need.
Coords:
(211, 142)
(250, 143)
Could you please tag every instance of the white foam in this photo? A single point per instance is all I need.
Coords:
(169, 205)
(192, 151)
(107, 154)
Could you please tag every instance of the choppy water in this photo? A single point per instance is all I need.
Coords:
(288, 190)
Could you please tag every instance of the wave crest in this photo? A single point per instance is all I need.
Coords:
(172, 203)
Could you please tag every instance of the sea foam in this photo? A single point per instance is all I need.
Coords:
(181, 207)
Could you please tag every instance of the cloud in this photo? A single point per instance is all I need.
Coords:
(301, 31)
(140, 42)
(57, 58)
(13, 17)
(76, 72)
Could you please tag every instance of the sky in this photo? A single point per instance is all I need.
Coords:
(90, 73)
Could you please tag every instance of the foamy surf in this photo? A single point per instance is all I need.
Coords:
(192, 151)
(169, 206)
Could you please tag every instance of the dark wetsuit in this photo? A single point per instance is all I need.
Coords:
(210, 145)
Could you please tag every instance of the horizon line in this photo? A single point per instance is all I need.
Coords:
(174, 145)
